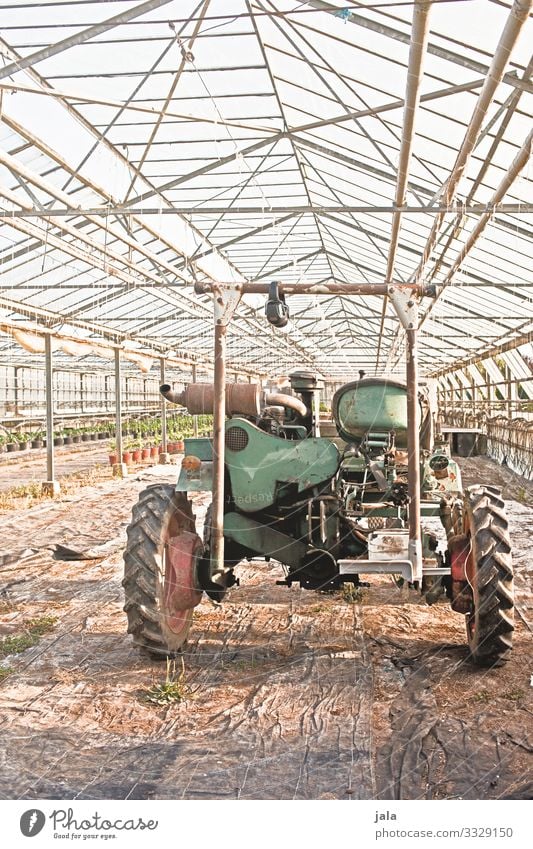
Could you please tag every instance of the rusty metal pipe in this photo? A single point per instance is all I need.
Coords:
(163, 406)
(278, 399)
(219, 417)
(255, 287)
(169, 395)
(199, 398)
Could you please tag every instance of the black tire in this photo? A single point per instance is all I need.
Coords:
(159, 514)
(490, 625)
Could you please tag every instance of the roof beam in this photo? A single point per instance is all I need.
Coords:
(281, 108)
(301, 209)
(435, 50)
(419, 38)
(493, 351)
(513, 27)
(81, 37)
(360, 113)
(459, 222)
(168, 98)
(517, 165)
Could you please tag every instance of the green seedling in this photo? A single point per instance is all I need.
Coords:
(173, 689)
(34, 629)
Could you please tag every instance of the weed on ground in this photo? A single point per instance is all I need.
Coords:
(33, 630)
(29, 494)
(173, 689)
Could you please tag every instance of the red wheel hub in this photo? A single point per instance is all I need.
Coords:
(460, 548)
(180, 591)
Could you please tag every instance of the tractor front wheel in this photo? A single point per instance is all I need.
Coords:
(489, 572)
(160, 570)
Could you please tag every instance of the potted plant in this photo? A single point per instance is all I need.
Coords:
(58, 439)
(11, 442)
(136, 451)
(154, 451)
(113, 455)
(127, 452)
(36, 439)
(23, 441)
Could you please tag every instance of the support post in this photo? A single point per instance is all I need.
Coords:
(512, 394)
(491, 398)
(194, 418)
(219, 417)
(474, 397)
(413, 449)
(119, 469)
(164, 456)
(16, 390)
(51, 486)
(225, 298)
(106, 392)
(406, 308)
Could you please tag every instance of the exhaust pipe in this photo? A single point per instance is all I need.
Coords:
(243, 398)
(278, 399)
(169, 395)
(199, 398)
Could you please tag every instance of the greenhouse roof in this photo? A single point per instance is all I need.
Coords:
(145, 146)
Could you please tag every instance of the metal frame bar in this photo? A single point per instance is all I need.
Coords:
(162, 378)
(49, 384)
(161, 253)
(303, 209)
(81, 37)
(168, 98)
(419, 38)
(118, 406)
(515, 21)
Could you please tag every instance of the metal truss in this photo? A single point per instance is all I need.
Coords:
(146, 153)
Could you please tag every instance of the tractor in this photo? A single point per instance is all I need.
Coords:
(328, 507)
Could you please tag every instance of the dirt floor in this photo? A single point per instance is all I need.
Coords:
(289, 694)
(24, 467)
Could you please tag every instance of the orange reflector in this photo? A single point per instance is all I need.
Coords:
(191, 463)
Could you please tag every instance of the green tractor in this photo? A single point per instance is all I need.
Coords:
(329, 508)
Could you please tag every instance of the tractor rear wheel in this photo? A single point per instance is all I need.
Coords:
(160, 565)
(489, 572)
